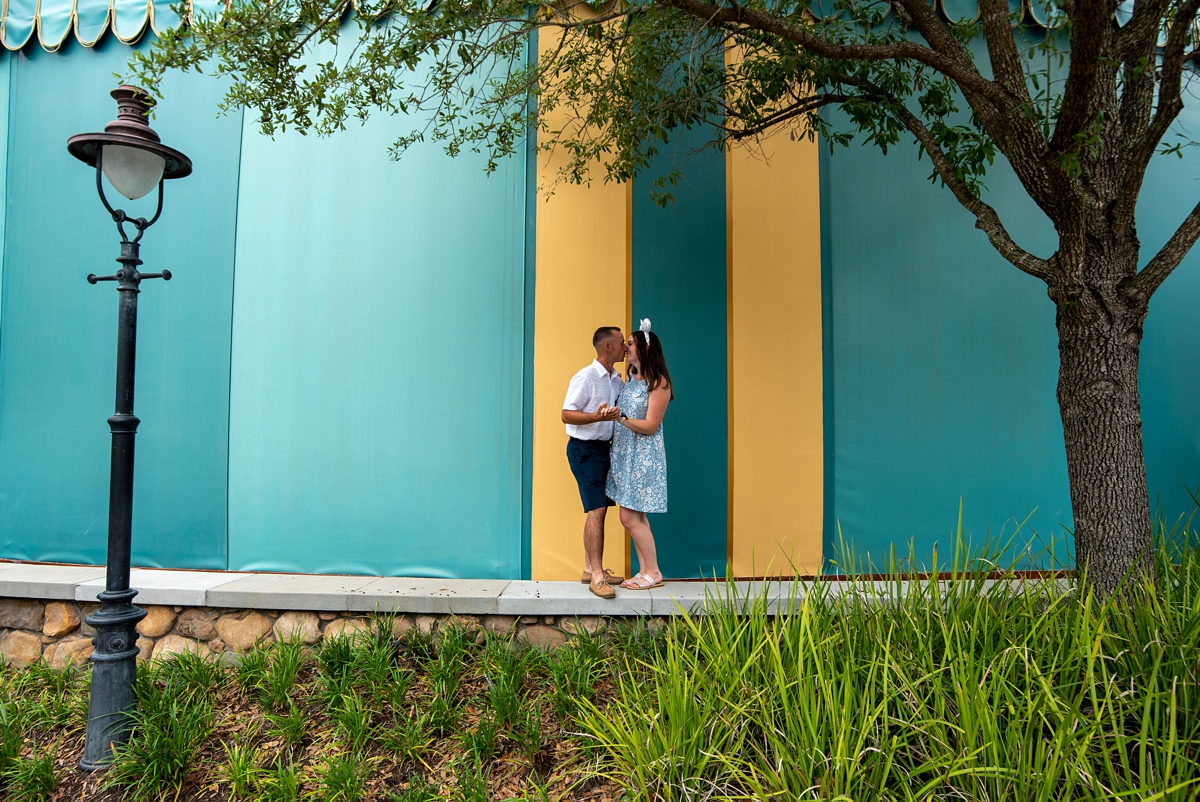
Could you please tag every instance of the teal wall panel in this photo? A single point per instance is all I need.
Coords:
(58, 342)
(530, 293)
(378, 368)
(679, 282)
(944, 361)
(1170, 368)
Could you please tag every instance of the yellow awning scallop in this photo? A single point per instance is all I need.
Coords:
(52, 21)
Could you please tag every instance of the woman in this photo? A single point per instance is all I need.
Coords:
(637, 480)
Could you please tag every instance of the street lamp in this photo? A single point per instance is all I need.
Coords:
(130, 154)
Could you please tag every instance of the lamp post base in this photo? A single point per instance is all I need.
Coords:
(114, 668)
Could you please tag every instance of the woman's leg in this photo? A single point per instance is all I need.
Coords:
(643, 542)
(629, 520)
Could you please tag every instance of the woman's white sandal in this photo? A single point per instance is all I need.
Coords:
(641, 582)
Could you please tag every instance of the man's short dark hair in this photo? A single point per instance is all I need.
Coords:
(603, 333)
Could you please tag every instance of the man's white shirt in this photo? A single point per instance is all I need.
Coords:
(590, 388)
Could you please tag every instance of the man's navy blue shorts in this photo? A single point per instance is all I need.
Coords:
(589, 463)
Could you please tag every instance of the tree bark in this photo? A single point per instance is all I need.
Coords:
(1100, 336)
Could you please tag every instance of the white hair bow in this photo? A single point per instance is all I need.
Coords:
(644, 328)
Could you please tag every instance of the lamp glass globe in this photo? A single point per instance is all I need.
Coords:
(132, 171)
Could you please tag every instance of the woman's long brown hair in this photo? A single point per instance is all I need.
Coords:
(654, 364)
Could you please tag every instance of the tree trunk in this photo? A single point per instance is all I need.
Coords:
(1099, 344)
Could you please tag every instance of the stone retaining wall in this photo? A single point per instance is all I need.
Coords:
(55, 631)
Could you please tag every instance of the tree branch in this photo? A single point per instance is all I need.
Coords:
(1091, 30)
(1170, 104)
(986, 218)
(805, 106)
(1002, 49)
(1137, 45)
(1004, 113)
(961, 70)
(1168, 257)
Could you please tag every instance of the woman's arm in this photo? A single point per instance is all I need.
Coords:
(660, 396)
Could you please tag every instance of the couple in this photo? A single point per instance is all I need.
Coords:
(616, 449)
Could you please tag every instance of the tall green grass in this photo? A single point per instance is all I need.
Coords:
(972, 687)
(40, 708)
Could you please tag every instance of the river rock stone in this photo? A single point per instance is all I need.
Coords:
(158, 622)
(347, 628)
(541, 636)
(242, 630)
(174, 644)
(21, 614)
(62, 618)
(66, 652)
(588, 624)
(84, 611)
(145, 647)
(327, 615)
(21, 648)
(500, 624)
(196, 624)
(427, 624)
(467, 623)
(304, 627)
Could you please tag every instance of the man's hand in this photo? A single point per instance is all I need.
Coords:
(605, 412)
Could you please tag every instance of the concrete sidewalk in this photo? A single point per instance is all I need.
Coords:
(342, 593)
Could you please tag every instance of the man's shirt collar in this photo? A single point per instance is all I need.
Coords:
(600, 371)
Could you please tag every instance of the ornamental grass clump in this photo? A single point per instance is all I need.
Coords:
(975, 685)
(30, 779)
(172, 720)
(40, 709)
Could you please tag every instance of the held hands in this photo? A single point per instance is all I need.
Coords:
(605, 413)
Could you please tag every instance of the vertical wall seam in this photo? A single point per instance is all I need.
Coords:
(232, 308)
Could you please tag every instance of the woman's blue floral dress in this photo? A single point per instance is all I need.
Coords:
(637, 479)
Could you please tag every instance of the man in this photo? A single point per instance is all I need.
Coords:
(589, 411)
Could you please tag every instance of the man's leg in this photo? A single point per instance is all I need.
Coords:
(593, 544)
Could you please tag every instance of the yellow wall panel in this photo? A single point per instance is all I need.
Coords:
(581, 284)
(776, 442)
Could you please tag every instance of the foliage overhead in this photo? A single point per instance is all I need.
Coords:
(622, 76)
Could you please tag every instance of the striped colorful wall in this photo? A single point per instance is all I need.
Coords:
(359, 365)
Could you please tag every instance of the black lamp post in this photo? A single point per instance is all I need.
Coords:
(130, 154)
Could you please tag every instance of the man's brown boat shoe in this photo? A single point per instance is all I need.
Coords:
(602, 589)
(609, 577)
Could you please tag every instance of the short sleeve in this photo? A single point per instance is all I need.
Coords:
(577, 394)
